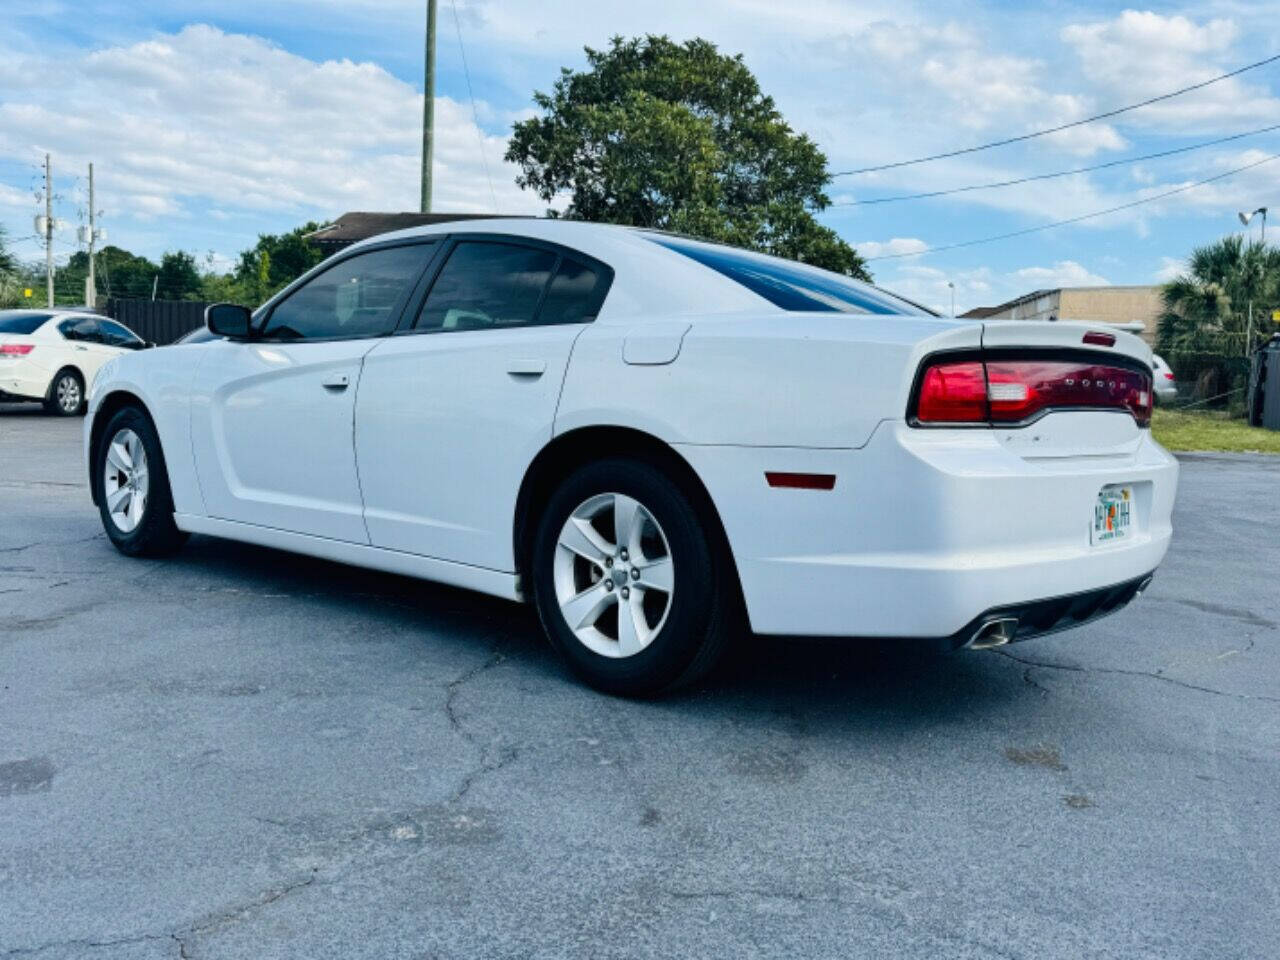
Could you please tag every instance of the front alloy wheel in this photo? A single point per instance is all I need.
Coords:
(126, 481)
(131, 487)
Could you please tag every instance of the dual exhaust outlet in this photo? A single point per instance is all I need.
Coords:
(998, 631)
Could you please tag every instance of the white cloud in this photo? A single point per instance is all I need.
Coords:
(983, 286)
(202, 118)
(898, 246)
(1141, 54)
(1170, 267)
(1064, 273)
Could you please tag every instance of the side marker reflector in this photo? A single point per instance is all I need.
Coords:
(801, 481)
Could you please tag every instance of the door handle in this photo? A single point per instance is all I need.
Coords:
(337, 382)
(82, 348)
(526, 368)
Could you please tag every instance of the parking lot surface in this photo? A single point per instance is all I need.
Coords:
(242, 753)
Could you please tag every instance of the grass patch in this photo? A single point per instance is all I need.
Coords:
(1211, 430)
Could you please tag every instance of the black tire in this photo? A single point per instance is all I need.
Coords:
(64, 381)
(699, 621)
(156, 535)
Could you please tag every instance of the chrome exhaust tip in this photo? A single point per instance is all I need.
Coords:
(993, 633)
(1143, 586)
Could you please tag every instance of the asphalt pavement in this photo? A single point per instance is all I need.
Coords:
(238, 752)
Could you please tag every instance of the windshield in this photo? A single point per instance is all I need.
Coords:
(22, 322)
(790, 285)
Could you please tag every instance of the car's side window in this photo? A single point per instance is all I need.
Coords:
(81, 330)
(487, 285)
(575, 295)
(360, 296)
(115, 335)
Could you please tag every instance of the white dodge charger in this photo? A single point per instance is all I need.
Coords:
(659, 442)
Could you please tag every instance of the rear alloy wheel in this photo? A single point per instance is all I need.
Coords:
(132, 487)
(626, 580)
(614, 575)
(66, 395)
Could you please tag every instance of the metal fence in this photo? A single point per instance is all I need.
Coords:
(160, 321)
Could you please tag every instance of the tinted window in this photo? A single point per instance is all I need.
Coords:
(790, 285)
(81, 329)
(115, 335)
(22, 322)
(486, 285)
(357, 297)
(574, 296)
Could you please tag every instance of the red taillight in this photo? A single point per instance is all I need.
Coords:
(16, 349)
(1168, 376)
(1017, 391)
(953, 393)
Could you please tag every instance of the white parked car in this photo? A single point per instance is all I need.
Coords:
(1166, 387)
(647, 437)
(52, 356)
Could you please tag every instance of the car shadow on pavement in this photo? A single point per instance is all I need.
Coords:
(877, 681)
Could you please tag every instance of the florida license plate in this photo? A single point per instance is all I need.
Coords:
(1113, 514)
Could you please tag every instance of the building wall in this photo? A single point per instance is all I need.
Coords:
(1115, 305)
(1092, 304)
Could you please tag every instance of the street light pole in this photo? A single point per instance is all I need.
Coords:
(429, 107)
(1245, 218)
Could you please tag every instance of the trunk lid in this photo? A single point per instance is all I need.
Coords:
(1094, 436)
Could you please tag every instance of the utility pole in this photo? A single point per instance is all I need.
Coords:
(91, 292)
(429, 107)
(48, 226)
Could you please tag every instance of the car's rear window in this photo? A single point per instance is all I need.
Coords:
(792, 286)
(22, 322)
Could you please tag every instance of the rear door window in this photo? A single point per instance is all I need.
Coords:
(487, 285)
(576, 293)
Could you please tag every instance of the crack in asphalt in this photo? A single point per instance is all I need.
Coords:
(488, 764)
(182, 934)
(1073, 668)
(81, 943)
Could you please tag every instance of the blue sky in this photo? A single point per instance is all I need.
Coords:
(210, 122)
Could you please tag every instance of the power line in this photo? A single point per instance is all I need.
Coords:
(1084, 216)
(1060, 127)
(475, 114)
(1059, 173)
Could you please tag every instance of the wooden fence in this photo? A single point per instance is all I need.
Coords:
(160, 321)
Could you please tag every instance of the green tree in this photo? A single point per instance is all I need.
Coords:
(178, 278)
(679, 137)
(276, 260)
(119, 273)
(1204, 330)
(10, 275)
(8, 262)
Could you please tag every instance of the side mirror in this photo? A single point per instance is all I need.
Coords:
(229, 320)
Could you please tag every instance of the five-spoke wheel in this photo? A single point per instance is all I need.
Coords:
(614, 575)
(626, 578)
(126, 481)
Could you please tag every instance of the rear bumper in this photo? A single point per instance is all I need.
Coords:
(927, 532)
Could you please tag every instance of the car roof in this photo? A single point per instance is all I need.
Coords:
(649, 280)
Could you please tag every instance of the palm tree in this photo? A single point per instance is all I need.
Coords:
(1204, 331)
